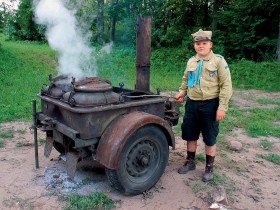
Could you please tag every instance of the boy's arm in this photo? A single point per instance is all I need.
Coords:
(225, 85)
(183, 88)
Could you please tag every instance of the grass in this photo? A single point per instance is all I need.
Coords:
(219, 180)
(41, 141)
(274, 158)
(200, 158)
(198, 187)
(266, 145)
(25, 67)
(201, 189)
(251, 75)
(8, 133)
(257, 122)
(260, 122)
(21, 131)
(268, 101)
(19, 144)
(97, 200)
(2, 144)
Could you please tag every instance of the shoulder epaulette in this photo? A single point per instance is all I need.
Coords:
(193, 57)
(220, 56)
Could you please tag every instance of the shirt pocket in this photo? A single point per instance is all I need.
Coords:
(211, 74)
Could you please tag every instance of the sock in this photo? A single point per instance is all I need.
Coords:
(210, 159)
(190, 155)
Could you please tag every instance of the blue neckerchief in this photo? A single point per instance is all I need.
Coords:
(199, 70)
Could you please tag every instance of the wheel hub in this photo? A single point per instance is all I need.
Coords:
(144, 160)
(141, 159)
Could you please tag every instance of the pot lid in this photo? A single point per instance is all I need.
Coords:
(92, 84)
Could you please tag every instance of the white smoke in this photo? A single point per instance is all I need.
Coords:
(76, 57)
(107, 48)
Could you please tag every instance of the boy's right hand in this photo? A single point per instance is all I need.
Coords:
(179, 98)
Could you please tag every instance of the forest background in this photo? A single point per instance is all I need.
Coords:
(247, 29)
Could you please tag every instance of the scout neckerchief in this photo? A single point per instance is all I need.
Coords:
(199, 70)
(191, 75)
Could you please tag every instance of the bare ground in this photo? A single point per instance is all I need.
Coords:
(250, 182)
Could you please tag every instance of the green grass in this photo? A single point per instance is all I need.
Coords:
(8, 133)
(257, 122)
(202, 189)
(2, 144)
(19, 144)
(261, 122)
(24, 67)
(266, 145)
(97, 200)
(21, 131)
(166, 71)
(200, 158)
(251, 75)
(274, 158)
(198, 187)
(41, 141)
(118, 67)
(268, 101)
(219, 179)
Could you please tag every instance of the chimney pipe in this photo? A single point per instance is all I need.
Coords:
(143, 53)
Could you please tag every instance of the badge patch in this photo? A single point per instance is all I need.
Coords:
(211, 74)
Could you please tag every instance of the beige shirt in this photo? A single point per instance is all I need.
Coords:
(215, 80)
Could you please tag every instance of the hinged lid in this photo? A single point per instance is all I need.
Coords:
(92, 84)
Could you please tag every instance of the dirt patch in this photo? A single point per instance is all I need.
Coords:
(250, 182)
(248, 99)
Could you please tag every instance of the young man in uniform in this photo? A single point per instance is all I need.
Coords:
(207, 85)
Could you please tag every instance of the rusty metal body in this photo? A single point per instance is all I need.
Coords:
(100, 128)
(127, 131)
(90, 122)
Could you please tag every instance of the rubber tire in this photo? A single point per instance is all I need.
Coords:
(148, 137)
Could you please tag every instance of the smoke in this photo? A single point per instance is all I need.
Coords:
(76, 57)
(107, 48)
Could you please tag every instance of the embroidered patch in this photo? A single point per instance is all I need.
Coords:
(211, 74)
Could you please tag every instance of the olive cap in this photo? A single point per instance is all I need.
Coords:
(202, 35)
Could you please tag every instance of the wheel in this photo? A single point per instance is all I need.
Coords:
(142, 162)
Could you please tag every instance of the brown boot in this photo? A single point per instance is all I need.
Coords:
(188, 166)
(208, 175)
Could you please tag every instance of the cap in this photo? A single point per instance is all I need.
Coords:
(202, 35)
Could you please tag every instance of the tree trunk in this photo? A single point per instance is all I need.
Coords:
(216, 5)
(114, 20)
(100, 21)
(278, 45)
(205, 15)
(113, 32)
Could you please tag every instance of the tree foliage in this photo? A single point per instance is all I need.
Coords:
(20, 23)
(241, 29)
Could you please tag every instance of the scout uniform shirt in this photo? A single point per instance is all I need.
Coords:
(207, 78)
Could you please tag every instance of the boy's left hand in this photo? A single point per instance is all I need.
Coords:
(220, 115)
